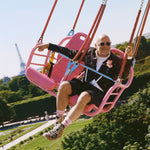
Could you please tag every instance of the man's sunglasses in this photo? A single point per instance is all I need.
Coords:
(107, 43)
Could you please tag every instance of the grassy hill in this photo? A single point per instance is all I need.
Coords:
(142, 66)
(38, 142)
(131, 117)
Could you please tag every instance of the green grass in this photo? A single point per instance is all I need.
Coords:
(16, 132)
(31, 99)
(142, 66)
(44, 144)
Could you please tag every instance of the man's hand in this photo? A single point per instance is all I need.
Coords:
(42, 47)
(129, 51)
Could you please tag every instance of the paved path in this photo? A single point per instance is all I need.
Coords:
(22, 138)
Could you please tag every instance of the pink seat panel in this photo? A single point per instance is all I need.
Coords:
(40, 79)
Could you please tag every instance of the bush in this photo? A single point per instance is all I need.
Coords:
(10, 96)
(6, 111)
(34, 107)
(30, 137)
(22, 142)
(113, 130)
(139, 82)
(39, 148)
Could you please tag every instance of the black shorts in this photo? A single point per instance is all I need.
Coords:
(78, 87)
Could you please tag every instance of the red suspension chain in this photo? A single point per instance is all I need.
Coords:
(78, 15)
(93, 34)
(101, 9)
(71, 32)
(142, 28)
(131, 39)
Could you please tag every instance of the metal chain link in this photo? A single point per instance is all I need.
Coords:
(142, 2)
(104, 2)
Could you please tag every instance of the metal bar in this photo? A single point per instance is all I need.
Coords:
(88, 37)
(142, 28)
(78, 14)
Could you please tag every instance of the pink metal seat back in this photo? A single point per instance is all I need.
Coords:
(42, 80)
(59, 69)
(115, 91)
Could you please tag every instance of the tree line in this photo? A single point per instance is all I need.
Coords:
(143, 50)
(17, 89)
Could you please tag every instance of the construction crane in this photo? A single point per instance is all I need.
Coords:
(22, 64)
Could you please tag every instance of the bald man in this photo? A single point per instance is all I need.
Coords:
(99, 58)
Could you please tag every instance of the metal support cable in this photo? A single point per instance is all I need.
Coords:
(78, 14)
(94, 31)
(71, 32)
(100, 13)
(131, 38)
(142, 27)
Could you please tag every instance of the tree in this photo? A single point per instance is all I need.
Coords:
(13, 84)
(6, 111)
(23, 84)
(6, 79)
(148, 43)
(143, 49)
(3, 85)
(122, 47)
(35, 91)
(14, 97)
(147, 138)
(10, 96)
(143, 44)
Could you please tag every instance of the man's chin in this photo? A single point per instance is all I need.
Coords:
(104, 55)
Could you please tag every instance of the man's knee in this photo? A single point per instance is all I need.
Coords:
(65, 87)
(84, 98)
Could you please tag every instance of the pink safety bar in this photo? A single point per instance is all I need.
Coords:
(42, 80)
(116, 90)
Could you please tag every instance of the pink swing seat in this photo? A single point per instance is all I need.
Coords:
(59, 69)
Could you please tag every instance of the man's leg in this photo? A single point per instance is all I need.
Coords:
(78, 109)
(62, 100)
(64, 91)
(73, 115)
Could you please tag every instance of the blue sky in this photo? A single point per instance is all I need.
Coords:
(22, 22)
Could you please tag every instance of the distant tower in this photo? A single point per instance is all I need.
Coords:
(22, 64)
